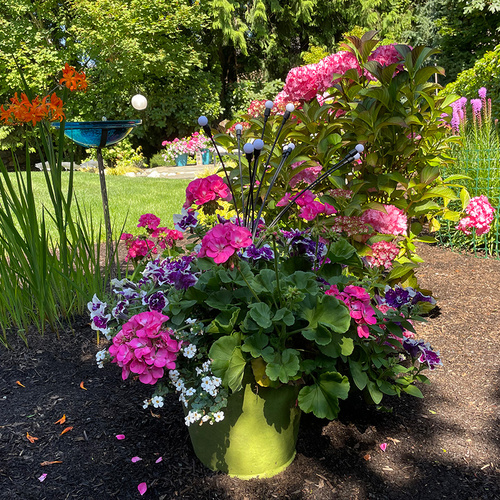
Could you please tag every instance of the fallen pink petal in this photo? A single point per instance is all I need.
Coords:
(120, 437)
(383, 446)
(142, 487)
(158, 460)
(42, 478)
(136, 459)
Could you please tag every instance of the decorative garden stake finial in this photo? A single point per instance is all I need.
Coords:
(139, 102)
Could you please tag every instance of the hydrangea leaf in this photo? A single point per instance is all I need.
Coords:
(322, 398)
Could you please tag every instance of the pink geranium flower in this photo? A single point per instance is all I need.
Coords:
(201, 191)
(223, 240)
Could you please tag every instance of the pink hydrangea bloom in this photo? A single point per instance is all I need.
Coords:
(480, 216)
(256, 108)
(308, 175)
(383, 254)
(357, 299)
(385, 55)
(301, 83)
(282, 99)
(223, 240)
(351, 225)
(338, 63)
(144, 347)
(392, 221)
(201, 191)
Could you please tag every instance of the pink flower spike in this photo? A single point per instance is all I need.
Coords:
(42, 478)
(383, 446)
(120, 437)
(142, 487)
(158, 460)
(136, 459)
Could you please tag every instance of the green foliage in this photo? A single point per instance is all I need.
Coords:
(314, 54)
(121, 157)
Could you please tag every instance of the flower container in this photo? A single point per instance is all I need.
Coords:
(206, 157)
(181, 160)
(257, 437)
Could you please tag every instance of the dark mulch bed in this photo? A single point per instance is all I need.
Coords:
(445, 446)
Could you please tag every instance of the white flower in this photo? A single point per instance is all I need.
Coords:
(189, 351)
(183, 400)
(192, 417)
(189, 392)
(100, 355)
(190, 321)
(174, 375)
(119, 283)
(219, 416)
(198, 370)
(96, 307)
(145, 404)
(205, 418)
(206, 366)
(216, 381)
(206, 383)
(157, 401)
(179, 385)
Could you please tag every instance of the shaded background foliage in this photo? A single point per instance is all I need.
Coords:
(212, 57)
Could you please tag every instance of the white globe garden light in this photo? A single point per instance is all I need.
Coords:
(248, 148)
(258, 144)
(239, 127)
(269, 104)
(139, 102)
(290, 107)
(202, 121)
(359, 148)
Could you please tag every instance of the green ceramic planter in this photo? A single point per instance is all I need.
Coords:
(257, 437)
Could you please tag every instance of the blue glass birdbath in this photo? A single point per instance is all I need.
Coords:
(100, 135)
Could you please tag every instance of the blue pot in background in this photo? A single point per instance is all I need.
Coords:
(206, 157)
(181, 160)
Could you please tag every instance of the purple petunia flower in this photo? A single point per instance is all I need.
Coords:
(252, 252)
(157, 301)
(397, 297)
(414, 347)
(431, 358)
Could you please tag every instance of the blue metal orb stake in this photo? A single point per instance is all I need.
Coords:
(99, 135)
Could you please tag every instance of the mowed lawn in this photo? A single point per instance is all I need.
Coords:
(129, 198)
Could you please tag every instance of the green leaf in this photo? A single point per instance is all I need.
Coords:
(375, 394)
(227, 361)
(284, 315)
(413, 391)
(327, 311)
(224, 322)
(284, 366)
(359, 377)
(322, 398)
(260, 312)
(257, 345)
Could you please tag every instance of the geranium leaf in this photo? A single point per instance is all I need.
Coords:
(260, 312)
(322, 398)
(257, 345)
(321, 335)
(328, 311)
(284, 366)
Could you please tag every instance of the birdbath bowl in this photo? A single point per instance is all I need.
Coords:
(100, 135)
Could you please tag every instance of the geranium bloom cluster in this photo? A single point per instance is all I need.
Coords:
(309, 207)
(392, 221)
(187, 145)
(357, 299)
(145, 347)
(223, 241)
(141, 246)
(204, 190)
(480, 215)
(383, 254)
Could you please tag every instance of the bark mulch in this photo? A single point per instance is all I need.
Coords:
(445, 446)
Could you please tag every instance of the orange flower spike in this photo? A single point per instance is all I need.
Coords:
(31, 439)
(61, 420)
(66, 430)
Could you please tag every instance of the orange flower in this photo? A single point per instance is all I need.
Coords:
(31, 439)
(72, 79)
(55, 107)
(6, 114)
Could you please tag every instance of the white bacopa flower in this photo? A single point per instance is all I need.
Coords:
(198, 370)
(157, 401)
(206, 384)
(206, 366)
(183, 400)
(205, 418)
(145, 404)
(189, 351)
(179, 385)
(100, 355)
(174, 375)
(219, 416)
(189, 392)
(190, 321)
(216, 381)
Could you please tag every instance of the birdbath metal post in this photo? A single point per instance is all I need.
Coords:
(99, 135)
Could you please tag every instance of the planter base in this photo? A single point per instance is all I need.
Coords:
(257, 437)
